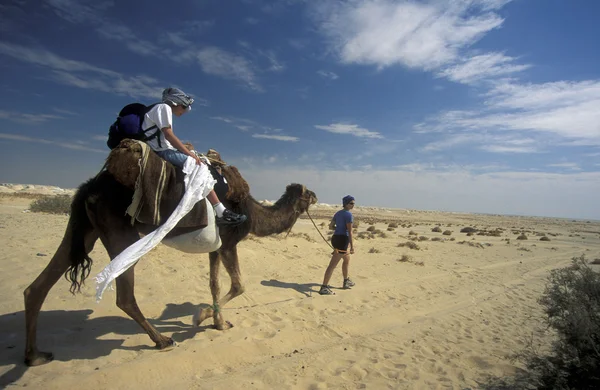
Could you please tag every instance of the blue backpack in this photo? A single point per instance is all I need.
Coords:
(129, 125)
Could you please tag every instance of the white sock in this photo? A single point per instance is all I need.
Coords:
(219, 209)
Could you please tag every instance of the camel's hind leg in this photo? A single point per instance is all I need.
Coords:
(230, 261)
(36, 293)
(126, 302)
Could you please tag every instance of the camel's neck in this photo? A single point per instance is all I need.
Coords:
(267, 220)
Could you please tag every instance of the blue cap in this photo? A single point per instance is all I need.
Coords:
(347, 199)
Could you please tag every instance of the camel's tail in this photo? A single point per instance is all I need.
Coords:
(79, 226)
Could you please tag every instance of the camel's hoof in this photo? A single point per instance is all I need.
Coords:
(169, 345)
(39, 358)
(225, 326)
(202, 315)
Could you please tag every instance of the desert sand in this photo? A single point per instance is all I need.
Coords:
(448, 316)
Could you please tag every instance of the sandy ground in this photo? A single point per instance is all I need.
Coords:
(446, 318)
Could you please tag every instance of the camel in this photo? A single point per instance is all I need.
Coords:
(98, 212)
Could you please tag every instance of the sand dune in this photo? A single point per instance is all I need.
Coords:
(445, 318)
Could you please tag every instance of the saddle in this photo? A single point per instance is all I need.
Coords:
(158, 185)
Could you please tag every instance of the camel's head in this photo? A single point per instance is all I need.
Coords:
(300, 196)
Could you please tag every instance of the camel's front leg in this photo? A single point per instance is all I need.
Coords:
(215, 310)
(126, 302)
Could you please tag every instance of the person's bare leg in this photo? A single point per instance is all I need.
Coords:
(335, 259)
(213, 198)
(345, 266)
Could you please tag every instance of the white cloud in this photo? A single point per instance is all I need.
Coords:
(73, 145)
(484, 66)
(346, 128)
(221, 63)
(251, 20)
(414, 34)
(566, 112)
(276, 137)
(328, 75)
(566, 165)
(27, 118)
(83, 75)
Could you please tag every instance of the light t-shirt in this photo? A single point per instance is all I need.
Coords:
(161, 116)
(342, 218)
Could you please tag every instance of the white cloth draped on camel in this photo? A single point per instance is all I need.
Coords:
(198, 184)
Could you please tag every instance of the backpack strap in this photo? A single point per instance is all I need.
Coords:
(156, 133)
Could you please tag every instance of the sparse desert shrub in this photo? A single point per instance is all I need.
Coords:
(323, 224)
(522, 237)
(412, 233)
(447, 233)
(522, 248)
(419, 263)
(371, 228)
(373, 250)
(468, 230)
(363, 235)
(382, 235)
(595, 261)
(355, 224)
(436, 229)
(393, 225)
(405, 258)
(473, 244)
(60, 204)
(544, 238)
(470, 234)
(423, 238)
(452, 239)
(390, 229)
(571, 301)
(409, 244)
(437, 239)
(376, 231)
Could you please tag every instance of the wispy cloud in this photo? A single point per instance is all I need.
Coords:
(251, 20)
(566, 165)
(562, 110)
(413, 34)
(351, 129)
(276, 137)
(485, 66)
(328, 75)
(73, 145)
(224, 64)
(239, 123)
(83, 75)
(27, 118)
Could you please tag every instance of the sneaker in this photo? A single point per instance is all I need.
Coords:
(325, 290)
(230, 218)
(348, 283)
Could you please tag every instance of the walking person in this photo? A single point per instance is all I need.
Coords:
(341, 239)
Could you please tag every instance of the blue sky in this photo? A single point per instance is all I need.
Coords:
(458, 105)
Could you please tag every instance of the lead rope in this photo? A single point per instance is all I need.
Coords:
(315, 225)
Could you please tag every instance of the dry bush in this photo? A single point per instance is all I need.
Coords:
(436, 229)
(437, 239)
(522, 248)
(409, 244)
(390, 229)
(412, 233)
(373, 250)
(447, 233)
(471, 243)
(522, 237)
(544, 238)
(323, 224)
(419, 263)
(382, 235)
(595, 261)
(355, 224)
(371, 228)
(305, 236)
(423, 238)
(60, 204)
(571, 302)
(468, 230)
(362, 235)
(452, 239)
(405, 258)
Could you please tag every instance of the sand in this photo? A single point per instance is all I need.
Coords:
(447, 318)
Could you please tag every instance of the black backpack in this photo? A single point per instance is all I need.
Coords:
(129, 125)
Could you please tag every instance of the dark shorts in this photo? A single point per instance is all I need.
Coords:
(340, 242)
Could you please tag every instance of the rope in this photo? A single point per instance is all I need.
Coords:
(315, 225)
